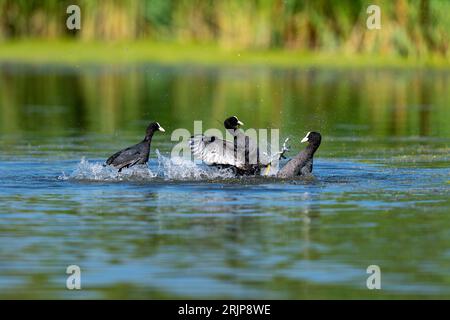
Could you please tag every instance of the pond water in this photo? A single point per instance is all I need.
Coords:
(379, 196)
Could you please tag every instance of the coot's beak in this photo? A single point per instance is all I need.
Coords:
(240, 123)
(161, 129)
(305, 139)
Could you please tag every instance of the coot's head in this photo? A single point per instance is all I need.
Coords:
(154, 126)
(314, 138)
(232, 123)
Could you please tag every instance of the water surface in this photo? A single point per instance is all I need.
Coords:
(379, 195)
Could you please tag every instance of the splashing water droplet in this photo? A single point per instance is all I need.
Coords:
(99, 172)
(177, 168)
(168, 168)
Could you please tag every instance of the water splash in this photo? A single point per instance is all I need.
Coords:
(167, 169)
(177, 168)
(95, 171)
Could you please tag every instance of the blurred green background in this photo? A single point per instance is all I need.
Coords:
(106, 80)
(265, 31)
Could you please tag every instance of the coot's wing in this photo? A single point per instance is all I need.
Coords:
(212, 150)
(248, 148)
(128, 164)
(125, 156)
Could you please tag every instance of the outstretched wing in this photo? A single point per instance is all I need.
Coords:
(249, 150)
(212, 150)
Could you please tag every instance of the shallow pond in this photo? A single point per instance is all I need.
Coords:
(379, 196)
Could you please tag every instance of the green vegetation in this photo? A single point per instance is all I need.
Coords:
(73, 52)
(292, 32)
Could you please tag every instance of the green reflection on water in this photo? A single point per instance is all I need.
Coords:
(372, 102)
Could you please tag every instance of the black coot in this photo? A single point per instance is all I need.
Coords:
(242, 153)
(137, 154)
(302, 163)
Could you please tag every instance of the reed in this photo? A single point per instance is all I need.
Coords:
(410, 28)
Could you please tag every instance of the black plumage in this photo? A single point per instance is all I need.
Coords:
(137, 154)
(302, 163)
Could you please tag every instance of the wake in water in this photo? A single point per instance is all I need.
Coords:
(167, 169)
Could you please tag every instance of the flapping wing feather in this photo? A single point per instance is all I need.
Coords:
(248, 149)
(212, 150)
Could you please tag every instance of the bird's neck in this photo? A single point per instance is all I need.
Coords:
(312, 148)
(235, 132)
(309, 150)
(148, 137)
